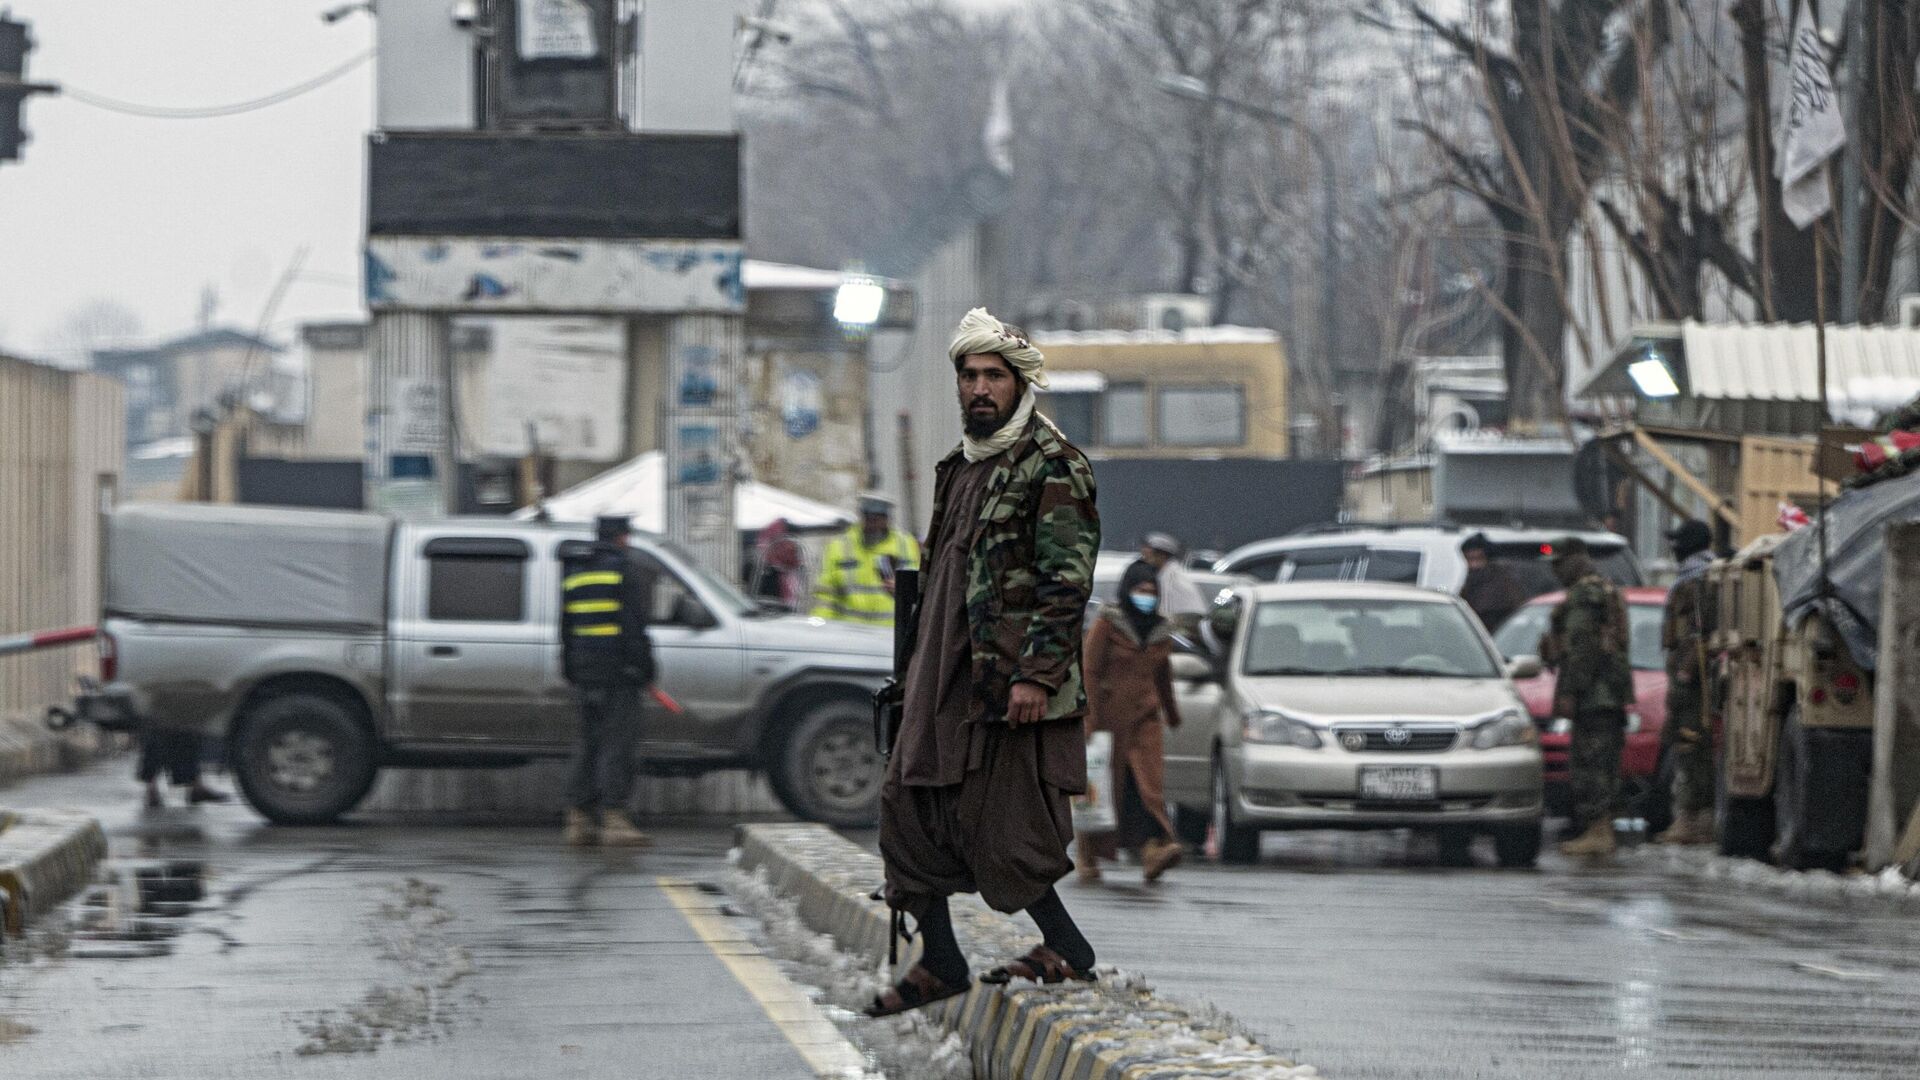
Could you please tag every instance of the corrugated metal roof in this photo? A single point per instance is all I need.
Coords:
(1867, 366)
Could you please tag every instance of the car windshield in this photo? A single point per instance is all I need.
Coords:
(725, 591)
(1366, 637)
(1520, 635)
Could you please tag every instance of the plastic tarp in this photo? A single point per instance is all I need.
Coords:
(247, 565)
(1857, 521)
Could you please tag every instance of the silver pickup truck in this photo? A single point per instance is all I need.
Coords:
(323, 646)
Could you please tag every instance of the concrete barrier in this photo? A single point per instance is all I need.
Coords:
(1114, 1029)
(45, 857)
(29, 748)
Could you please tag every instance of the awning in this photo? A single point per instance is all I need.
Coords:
(638, 489)
(1870, 369)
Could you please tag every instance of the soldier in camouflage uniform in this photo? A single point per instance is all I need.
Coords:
(1586, 645)
(990, 749)
(1685, 740)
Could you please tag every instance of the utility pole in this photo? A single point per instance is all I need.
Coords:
(15, 43)
(1852, 179)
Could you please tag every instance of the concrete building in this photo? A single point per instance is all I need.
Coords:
(62, 441)
(168, 382)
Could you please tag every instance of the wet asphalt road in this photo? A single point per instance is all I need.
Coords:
(460, 948)
(386, 948)
(1360, 954)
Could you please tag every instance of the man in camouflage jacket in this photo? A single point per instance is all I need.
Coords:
(1586, 645)
(990, 749)
(1685, 739)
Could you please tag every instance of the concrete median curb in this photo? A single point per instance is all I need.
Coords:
(1116, 1029)
(29, 748)
(45, 857)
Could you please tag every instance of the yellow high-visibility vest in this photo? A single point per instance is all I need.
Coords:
(851, 587)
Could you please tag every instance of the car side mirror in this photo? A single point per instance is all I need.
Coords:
(692, 613)
(1192, 667)
(1524, 667)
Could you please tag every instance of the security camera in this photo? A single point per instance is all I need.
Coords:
(465, 14)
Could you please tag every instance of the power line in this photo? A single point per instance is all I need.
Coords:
(169, 112)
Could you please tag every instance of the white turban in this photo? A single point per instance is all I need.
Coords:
(980, 332)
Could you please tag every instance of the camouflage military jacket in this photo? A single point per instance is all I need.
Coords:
(1029, 571)
(1586, 643)
(1682, 624)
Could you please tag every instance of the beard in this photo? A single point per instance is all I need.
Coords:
(980, 425)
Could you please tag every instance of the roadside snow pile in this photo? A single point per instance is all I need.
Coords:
(1888, 886)
(911, 1046)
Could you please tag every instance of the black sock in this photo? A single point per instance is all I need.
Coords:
(1057, 929)
(939, 949)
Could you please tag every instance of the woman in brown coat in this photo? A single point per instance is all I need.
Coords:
(1129, 695)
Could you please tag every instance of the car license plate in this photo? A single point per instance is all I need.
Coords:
(1399, 782)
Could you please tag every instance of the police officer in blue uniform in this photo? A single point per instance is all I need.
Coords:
(606, 593)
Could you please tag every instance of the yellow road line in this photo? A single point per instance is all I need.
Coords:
(826, 1051)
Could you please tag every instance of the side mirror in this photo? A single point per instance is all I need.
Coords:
(1191, 667)
(691, 613)
(1524, 667)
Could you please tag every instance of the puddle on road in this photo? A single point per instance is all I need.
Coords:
(136, 911)
(12, 1031)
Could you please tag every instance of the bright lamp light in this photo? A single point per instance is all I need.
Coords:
(1653, 377)
(859, 301)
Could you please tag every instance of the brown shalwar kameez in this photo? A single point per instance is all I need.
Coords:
(963, 790)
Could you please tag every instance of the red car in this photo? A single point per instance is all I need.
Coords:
(1640, 762)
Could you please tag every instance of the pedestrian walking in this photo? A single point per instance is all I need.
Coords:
(857, 572)
(1685, 740)
(1129, 696)
(605, 653)
(990, 749)
(1491, 589)
(175, 755)
(1586, 645)
(1180, 599)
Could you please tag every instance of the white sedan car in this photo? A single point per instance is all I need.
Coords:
(1350, 705)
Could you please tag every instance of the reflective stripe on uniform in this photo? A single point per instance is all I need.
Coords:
(583, 607)
(599, 630)
(591, 577)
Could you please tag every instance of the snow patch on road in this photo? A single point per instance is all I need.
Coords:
(910, 1046)
(409, 930)
(1889, 886)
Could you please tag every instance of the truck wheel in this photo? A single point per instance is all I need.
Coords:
(828, 769)
(1239, 845)
(1517, 846)
(1653, 801)
(1790, 803)
(303, 759)
(1746, 829)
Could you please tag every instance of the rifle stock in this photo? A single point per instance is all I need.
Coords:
(889, 702)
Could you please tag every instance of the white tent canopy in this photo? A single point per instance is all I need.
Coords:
(638, 489)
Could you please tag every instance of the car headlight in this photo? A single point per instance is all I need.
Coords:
(1510, 728)
(1266, 726)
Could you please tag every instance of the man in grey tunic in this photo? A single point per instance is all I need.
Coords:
(990, 749)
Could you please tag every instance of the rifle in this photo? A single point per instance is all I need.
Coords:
(890, 701)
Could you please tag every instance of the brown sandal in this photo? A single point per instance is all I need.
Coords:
(1041, 965)
(918, 989)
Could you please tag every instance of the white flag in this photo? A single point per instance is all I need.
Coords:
(1811, 130)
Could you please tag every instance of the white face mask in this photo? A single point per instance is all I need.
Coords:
(1145, 603)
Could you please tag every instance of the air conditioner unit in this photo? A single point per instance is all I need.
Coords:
(1174, 311)
(1910, 311)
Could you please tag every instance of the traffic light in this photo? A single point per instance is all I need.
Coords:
(15, 44)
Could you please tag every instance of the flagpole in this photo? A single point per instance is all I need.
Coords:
(1820, 378)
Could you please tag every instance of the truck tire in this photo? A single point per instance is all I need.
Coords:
(1746, 829)
(1517, 846)
(827, 769)
(1238, 844)
(303, 759)
(1653, 801)
(1795, 846)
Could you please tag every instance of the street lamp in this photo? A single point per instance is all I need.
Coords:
(1193, 88)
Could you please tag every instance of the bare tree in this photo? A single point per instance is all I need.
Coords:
(95, 324)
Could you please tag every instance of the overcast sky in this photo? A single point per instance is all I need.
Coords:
(148, 212)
